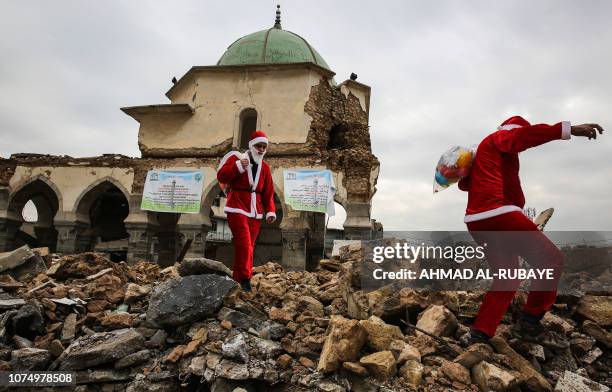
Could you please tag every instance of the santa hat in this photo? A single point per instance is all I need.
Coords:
(258, 137)
(513, 122)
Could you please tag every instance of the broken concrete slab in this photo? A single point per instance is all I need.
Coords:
(437, 320)
(597, 308)
(572, 382)
(133, 359)
(235, 347)
(380, 365)
(15, 258)
(601, 335)
(380, 334)
(531, 377)
(355, 368)
(489, 377)
(265, 329)
(28, 320)
(30, 359)
(11, 303)
(456, 372)
(98, 274)
(474, 354)
(179, 301)
(98, 376)
(201, 266)
(556, 323)
(69, 328)
(22, 263)
(134, 292)
(100, 348)
(412, 372)
(343, 342)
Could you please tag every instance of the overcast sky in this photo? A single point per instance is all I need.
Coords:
(442, 73)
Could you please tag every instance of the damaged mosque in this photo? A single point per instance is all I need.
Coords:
(272, 80)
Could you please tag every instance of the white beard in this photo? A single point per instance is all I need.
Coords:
(257, 157)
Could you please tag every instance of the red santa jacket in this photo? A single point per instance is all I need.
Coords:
(493, 186)
(247, 195)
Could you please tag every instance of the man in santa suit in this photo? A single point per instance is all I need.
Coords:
(250, 196)
(495, 203)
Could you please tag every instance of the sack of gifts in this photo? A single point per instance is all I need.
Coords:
(453, 165)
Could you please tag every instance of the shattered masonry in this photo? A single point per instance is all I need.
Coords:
(188, 327)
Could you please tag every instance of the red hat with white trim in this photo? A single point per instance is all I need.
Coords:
(258, 137)
(513, 122)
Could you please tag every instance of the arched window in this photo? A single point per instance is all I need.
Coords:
(248, 124)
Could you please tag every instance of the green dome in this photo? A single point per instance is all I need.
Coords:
(271, 46)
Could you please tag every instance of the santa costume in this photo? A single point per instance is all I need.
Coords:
(250, 196)
(495, 203)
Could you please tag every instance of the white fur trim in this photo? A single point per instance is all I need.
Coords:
(239, 155)
(250, 174)
(566, 130)
(508, 127)
(491, 213)
(271, 213)
(240, 168)
(256, 182)
(259, 139)
(243, 212)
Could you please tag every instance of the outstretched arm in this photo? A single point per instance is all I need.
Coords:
(520, 139)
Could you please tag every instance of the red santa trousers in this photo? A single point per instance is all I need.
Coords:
(244, 232)
(503, 251)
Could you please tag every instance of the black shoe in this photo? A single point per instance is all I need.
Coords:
(473, 337)
(528, 330)
(246, 286)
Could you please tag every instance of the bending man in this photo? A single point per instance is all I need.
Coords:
(495, 204)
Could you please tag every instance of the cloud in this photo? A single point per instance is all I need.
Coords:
(442, 73)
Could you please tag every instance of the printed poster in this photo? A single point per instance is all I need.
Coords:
(310, 190)
(173, 191)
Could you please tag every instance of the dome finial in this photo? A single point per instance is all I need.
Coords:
(277, 22)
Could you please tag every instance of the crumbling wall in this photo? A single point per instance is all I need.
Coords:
(342, 120)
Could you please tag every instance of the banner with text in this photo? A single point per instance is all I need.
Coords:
(310, 190)
(173, 191)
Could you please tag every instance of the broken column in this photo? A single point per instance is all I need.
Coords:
(294, 233)
(8, 224)
(70, 237)
(358, 225)
(139, 225)
(8, 228)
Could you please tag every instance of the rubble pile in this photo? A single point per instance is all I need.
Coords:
(189, 327)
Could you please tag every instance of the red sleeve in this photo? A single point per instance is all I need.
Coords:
(230, 170)
(268, 195)
(520, 139)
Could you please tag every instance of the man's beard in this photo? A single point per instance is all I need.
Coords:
(257, 156)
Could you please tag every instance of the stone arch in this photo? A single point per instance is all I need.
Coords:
(281, 199)
(17, 192)
(102, 208)
(47, 199)
(210, 194)
(90, 187)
